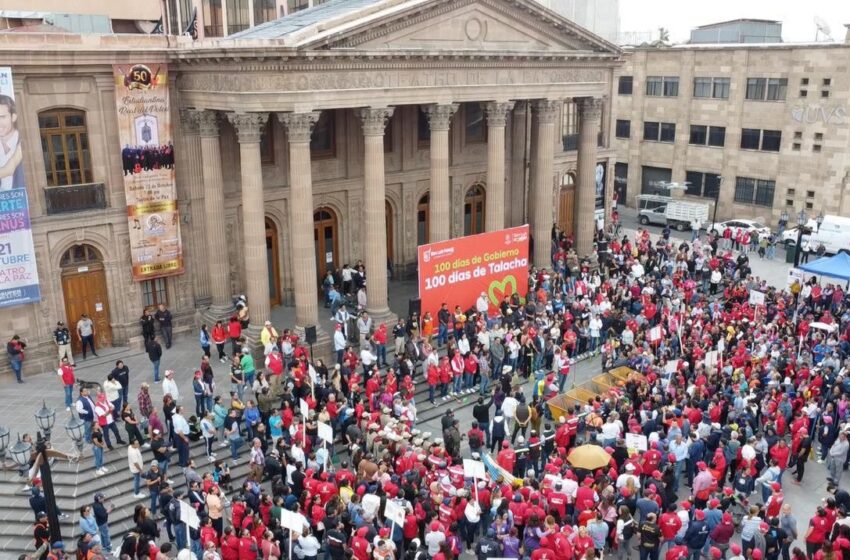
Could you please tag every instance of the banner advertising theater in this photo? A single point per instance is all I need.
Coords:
(18, 272)
(459, 270)
(147, 159)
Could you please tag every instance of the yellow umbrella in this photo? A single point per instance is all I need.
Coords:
(588, 457)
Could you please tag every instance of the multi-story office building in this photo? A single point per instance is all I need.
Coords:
(764, 128)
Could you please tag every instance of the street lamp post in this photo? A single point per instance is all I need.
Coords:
(716, 201)
(76, 431)
(45, 418)
(802, 219)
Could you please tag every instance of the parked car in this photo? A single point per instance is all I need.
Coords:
(747, 225)
(789, 236)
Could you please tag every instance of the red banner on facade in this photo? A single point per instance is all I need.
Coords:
(458, 271)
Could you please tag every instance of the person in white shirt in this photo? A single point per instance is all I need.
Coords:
(463, 345)
(307, 546)
(339, 343)
(137, 467)
(367, 358)
(169, 386)
(472, 512)
(434, 538)
(509, 410)
(624, 478)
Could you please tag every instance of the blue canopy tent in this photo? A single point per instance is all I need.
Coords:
(837, 266)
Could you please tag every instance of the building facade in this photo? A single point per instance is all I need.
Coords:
(764, 129)
(300, 146)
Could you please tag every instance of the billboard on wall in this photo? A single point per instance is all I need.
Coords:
(18, 272)
(459, 270)
(147, 159)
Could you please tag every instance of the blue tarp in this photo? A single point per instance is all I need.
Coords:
(837, 266)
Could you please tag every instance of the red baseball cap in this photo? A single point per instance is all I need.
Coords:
(735, 548)
(699, 514)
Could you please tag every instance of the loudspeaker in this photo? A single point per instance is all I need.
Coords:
(310, 334)
(414, 306)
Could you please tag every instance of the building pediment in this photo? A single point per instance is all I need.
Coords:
(479, 25)
(513, 27)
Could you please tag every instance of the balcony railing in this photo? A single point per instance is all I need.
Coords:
(75, 198)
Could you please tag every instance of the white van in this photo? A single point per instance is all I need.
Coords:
(833, 234)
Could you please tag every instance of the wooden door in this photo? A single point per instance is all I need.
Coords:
(85, 292)
(325, 238)
(423, 220)
(566, 209)
(273, 258)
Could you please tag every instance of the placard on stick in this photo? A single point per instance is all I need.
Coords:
(394, 512)
(292, 521)
(474, 469)
(326, 432)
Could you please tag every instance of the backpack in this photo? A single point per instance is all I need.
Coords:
(475, 440)
(628, 529)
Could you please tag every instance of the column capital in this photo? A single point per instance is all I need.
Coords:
(249, 126)
(546, 110)
(439, 116)
(589, 107)
(497, 112)
(374, 120)
(207, 123)
(190, 121)
(299, 126)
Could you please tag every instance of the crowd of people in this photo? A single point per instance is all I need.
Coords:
(727, 397)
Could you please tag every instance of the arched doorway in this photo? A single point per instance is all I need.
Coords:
(84, 291)
(325, 237)
(273, 259)
(566, 203)
(388, 211)
(473, 210)
(423, 219)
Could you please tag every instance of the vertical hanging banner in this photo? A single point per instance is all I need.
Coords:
(459, 270)
(18, 272)
(147, 159)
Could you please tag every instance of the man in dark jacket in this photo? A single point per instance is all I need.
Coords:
(697, 534)
(481, 413)
(154, 350)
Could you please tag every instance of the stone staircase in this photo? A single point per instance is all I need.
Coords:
(75, 483)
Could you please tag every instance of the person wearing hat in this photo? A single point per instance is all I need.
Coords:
(57, 551)
(696, 536)
(41, 529)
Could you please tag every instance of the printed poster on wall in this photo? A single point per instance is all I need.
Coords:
(458, 271)
(147, 158)
(18, 272)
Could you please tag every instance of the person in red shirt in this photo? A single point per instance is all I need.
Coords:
(545, 551)
(229, 545)
(360, 547)
(380, 338)
(507, 457)
(669, 523)
(247, 546)
(651, 459)
(817, 532)
(780, 453)
(586, 496)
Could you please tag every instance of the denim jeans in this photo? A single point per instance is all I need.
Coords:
(98, 457)
(180, 535)
(431, 392)
(456, 383)
(16, 367)
(69, 395)
(442, 334)
(382, 354)
(137, 482)
(105, 541)
(154, 500)
(155, 371)
(444, 389)
(485, 384)
(235, 444)
(87, 431)
(562, 380)
(467, 381)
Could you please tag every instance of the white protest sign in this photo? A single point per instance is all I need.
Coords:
(189, 516)
(474, 469)
(655, 334)
(292, 521)
(796, 274)
(711, 358)
(371, 503)
(394, 512)
(756, 297)
(671, 367)
(636, 441)
(305, 408)
(326, 432)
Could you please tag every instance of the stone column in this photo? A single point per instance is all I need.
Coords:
(517, 202)
(590, 112)
(303, 248)
(249, 127)
(219, 271)
(190, 170)
(494, 211)
(439, 119)
(545, 111)
(374, 121)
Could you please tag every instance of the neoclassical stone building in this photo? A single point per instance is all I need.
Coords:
(352, 130)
